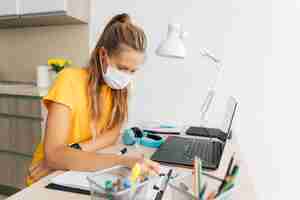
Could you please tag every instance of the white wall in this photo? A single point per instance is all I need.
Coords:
(170, 90)
(247, 42)
(241, 33)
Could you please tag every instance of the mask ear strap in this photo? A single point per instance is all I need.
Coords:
(101, 64)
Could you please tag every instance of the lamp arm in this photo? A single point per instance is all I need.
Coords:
(212, 58)
(211, 92)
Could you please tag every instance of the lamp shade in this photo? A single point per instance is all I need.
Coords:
(173, 45)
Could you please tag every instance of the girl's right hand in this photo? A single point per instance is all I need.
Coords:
(147, 166)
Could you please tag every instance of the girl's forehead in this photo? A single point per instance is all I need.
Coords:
(130, 58)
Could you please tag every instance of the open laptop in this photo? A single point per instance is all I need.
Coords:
(182, 150)
(222, 133)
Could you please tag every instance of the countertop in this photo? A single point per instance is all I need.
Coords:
(27, 90)
(244, 187)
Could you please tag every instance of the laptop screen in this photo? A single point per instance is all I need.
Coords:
(229, 114)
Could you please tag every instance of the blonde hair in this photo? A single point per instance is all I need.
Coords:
(117, 36)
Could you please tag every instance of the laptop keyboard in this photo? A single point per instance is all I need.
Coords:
(198, 148)
(184, 151)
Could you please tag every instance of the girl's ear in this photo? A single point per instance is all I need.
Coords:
(102, 52)
(102, 55)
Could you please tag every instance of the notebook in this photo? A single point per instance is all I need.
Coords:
(76, 181)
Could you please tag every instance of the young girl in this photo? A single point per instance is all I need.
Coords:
(88, 106)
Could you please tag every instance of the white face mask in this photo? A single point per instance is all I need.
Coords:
(116, 79)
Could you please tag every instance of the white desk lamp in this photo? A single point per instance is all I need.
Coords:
(173, 47)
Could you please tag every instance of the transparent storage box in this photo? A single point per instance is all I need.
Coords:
(98, 191)
(180, 189)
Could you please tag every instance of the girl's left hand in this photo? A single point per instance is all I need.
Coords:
(38, 171)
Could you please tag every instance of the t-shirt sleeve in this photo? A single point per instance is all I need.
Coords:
(61, 90)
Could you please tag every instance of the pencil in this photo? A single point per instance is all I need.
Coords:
(202, 192)
(199, 175)
(194, 178)
(197, 188)
(227, 173)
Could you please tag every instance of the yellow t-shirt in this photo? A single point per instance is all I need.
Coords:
(70, 89)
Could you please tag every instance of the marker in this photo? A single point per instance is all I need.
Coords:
(108, 189)
(123, 151)
(235, 171)
(227, 187)
(166, 126)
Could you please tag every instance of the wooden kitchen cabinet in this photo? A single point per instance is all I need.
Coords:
(8, 169)
(5, 136)
(8, 104)
(20, 133)
(14, 169)
(25, 136)
(28, 107)
(22, 165)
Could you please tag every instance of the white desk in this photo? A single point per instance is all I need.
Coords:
(244, 188)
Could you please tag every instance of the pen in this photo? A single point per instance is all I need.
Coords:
(230, 180)
(230, 165)
(212, 177)
(160, 194)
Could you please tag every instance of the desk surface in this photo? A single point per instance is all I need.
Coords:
(244, 188)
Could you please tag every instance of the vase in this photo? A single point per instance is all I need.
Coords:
(43, 76)
(54, 75)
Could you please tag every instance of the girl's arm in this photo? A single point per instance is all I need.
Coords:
(59, 156)
(108, 138)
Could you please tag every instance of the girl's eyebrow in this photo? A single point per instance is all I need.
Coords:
(124, 67)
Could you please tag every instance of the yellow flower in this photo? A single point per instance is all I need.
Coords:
(59, 62)
(68, 62)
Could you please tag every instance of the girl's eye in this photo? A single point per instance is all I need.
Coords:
(125, 70)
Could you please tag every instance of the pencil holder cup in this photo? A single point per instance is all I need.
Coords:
(98, 192)
(181, 189)
(228, 195)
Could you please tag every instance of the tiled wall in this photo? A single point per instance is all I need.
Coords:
(22, 49)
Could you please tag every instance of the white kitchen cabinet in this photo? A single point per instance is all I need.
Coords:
(75, 9)
(9, 8)
(43, 12)
(29, 7)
